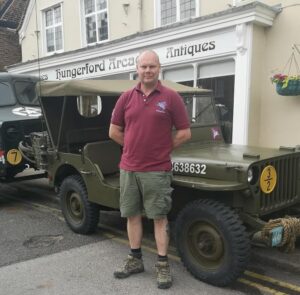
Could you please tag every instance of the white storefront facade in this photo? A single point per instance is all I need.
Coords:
(230, 45)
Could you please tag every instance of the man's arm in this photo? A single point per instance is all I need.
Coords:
(116, 133)
(181, 136)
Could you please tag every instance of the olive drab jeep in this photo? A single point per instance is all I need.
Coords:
(223, 194)
(19, 116)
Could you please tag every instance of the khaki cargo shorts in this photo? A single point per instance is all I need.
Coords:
(145, 191)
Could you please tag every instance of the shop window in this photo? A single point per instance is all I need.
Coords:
(53, 29)
(172, 11)
(182, 75)
(95, 20)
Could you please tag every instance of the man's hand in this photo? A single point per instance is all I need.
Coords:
(181, 136)
(116, 133)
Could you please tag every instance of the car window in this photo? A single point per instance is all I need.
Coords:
(6, 94)
(89, 105)
(25, 92)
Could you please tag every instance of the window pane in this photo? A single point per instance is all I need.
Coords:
(53, 29)
(101, 4)
(7, 97)
(96, 23)
(57, 15)
(49, 20)
(25, 92)
(50, 39)
(102, 26)
(168, 11)
(89, 6)
(187, 9)
(58, 38)
(91, 29)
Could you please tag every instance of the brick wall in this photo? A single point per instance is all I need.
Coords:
(10, 51)
(11, 16)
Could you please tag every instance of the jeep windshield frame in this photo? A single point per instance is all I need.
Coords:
(201, 109)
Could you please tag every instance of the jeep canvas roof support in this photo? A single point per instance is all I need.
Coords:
(105, 87)
(61, 123)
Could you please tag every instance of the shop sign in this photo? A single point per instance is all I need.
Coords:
(170, 54)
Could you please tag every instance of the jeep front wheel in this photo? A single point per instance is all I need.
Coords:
(212, 242)
(81, 215)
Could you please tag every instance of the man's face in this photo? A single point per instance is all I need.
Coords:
(148, 68)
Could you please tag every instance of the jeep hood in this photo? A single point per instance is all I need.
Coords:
(234, 154)
(18, 113)
(218, 166)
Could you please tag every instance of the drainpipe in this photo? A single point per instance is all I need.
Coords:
(140, 17)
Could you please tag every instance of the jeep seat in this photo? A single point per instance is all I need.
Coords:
(106, 154)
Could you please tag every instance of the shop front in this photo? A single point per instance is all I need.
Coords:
(213, 53)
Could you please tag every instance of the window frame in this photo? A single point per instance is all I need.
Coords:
(60, 5)
(158, 21)
(83, 23)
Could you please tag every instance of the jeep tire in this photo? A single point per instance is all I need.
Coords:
(81, 215)
(212, 242)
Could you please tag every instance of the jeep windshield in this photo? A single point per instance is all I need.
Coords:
(201, 110)
(7, 95)
(25, 93)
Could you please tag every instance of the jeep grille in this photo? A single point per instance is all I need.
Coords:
(286, 191)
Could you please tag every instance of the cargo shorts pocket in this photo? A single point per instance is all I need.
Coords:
(157, 194)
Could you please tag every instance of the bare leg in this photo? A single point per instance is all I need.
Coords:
(135, 231)
(161, 232)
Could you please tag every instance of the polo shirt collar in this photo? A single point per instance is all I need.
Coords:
(158, 87)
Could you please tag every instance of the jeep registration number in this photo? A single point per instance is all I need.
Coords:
(190, 168)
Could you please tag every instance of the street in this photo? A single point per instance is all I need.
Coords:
(41, 255)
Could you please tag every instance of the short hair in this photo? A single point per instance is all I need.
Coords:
(148, 51)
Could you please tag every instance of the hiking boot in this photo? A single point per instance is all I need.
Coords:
(131, 265)
(164, 279)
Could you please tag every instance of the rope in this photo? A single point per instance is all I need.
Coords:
(292, 61)
(291, 230)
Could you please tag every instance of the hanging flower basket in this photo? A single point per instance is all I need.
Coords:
(287, 85)
(292, 88)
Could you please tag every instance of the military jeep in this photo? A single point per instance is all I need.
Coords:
(20, 115)
(223, 193)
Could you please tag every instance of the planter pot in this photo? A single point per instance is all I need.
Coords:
(292, 89)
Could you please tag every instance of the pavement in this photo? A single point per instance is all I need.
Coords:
(89, 270)
(275, 258)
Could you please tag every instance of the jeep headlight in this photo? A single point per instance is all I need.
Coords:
(250, 175)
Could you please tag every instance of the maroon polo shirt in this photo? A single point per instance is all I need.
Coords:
(148, 123)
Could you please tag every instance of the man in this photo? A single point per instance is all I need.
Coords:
(142, 123)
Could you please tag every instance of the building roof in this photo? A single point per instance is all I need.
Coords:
(12, 13)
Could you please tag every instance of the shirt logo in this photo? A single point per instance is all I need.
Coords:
(161, 106)
(215, 133)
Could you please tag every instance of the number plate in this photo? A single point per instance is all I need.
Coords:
(188, 168)
(277, 233)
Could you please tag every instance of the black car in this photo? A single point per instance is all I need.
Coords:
(20, 115)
